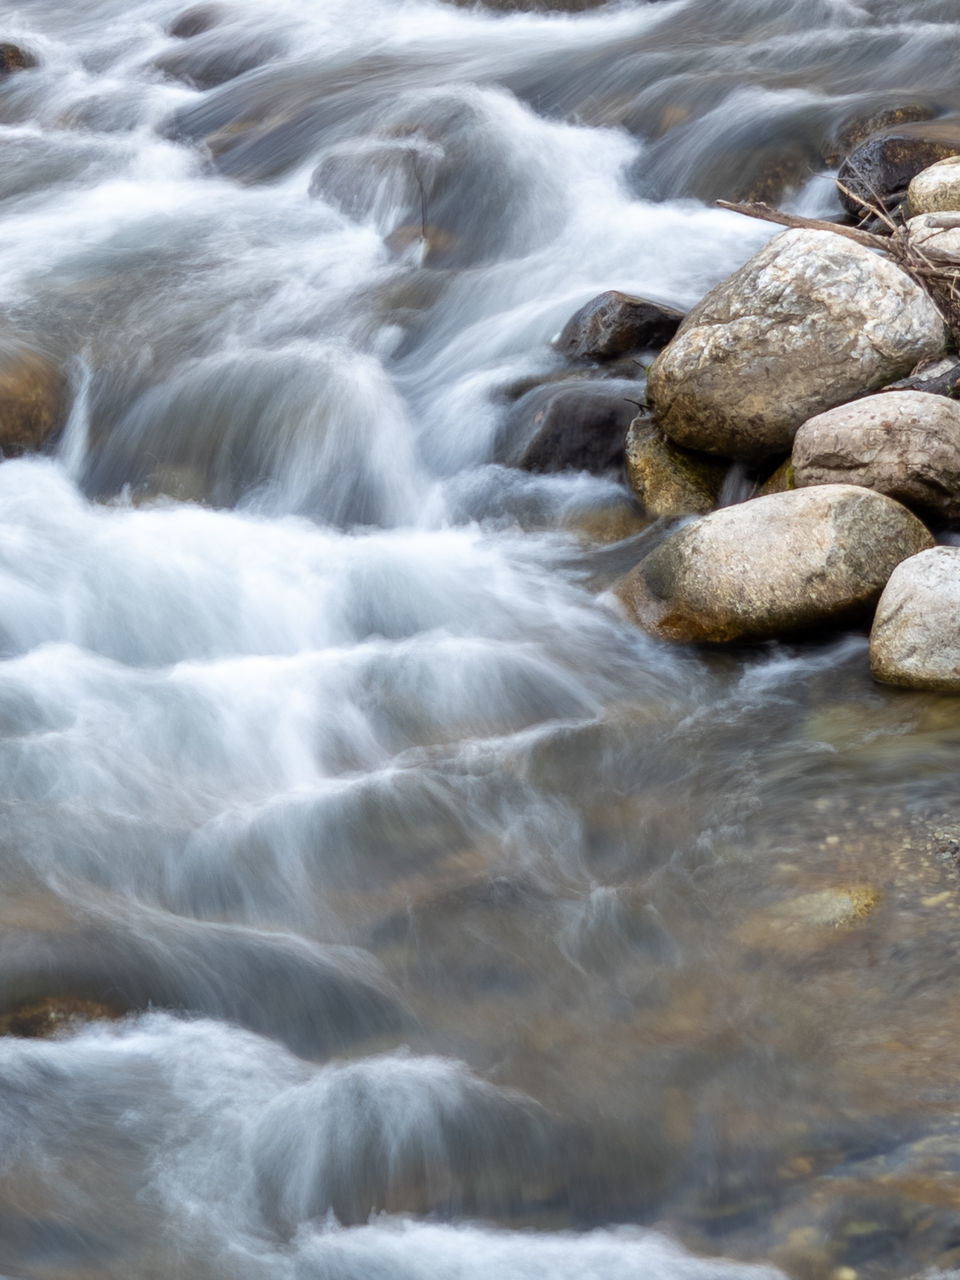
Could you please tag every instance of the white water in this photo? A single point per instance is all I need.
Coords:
(242, 743)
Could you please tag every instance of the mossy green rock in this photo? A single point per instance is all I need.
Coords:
(668, 480)
(781, 481)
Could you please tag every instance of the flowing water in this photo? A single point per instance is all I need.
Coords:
(450, 926)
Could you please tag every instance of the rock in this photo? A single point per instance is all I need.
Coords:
(939, 378)
(55, 1016)
(882, 167)
(614, 323)
(668, 480)
(857, 129)
(928, 231)
(437, 167)
(811, 321)
(915, 640)
(935, 190)
(435, 246)
(905, 444)
(808, 921)
(607, 522)
(32, 397)
(781, 481)
(576, 426)
(13, 58)
(773, 566)
(196, 20)
(215, 59)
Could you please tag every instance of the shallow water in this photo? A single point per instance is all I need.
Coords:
(450, 926)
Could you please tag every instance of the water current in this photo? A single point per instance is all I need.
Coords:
(453, 928)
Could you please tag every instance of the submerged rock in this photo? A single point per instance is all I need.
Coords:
(811, 321)
(773, 566)
(808, 921)
(608, 521)
(32, 397)
(577, 426)
(614, 323)
(54, 1016)
(905, 444)
(882, 167)
(211, 60)
(13, 58)
(936, 189)
(915, 640)
(196, 20)
(668, 480)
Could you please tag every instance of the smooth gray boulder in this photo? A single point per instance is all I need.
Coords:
(811, 321)
(774, 566)
(915, 640)
(905, 444)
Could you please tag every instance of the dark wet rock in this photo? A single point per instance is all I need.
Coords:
(196, 20)
(33, 396)
(905, 444)
(915, 640)
(811, 321)
(856, 129)
(668, 480)
(614, 323)
(577, 426)
(882, 167)
(773, 566)
(13, 58)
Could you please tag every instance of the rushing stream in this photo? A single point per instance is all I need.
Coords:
(453, 928)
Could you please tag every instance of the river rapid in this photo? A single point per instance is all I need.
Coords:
(453, 927)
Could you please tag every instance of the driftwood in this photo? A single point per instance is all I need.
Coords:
(940, 384)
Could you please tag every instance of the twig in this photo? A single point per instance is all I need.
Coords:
(757, 209)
